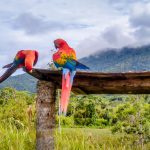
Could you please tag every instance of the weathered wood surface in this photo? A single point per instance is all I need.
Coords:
(101, 83)
(45, 107)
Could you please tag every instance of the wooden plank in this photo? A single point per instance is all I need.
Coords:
(101, 83)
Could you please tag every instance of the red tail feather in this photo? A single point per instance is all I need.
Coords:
(65, 93)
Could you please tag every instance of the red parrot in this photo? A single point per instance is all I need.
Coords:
(65, 57)
(25, 59)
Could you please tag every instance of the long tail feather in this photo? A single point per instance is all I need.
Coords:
(72, 74)
(8, 65)
(8, 73)
(67, 80)
(65, 90)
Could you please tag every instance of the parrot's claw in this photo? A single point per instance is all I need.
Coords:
(30, 71)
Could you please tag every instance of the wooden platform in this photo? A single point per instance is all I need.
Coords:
(101, 83)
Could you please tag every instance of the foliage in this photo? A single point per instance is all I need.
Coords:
(133, 118)
(127, 116)
(65, 121)
(17, 130)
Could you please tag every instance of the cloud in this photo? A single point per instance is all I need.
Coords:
(131, 29)
(116, 36)
(142, 35)
(39, 25)
(139, 20)
(88, 26)
(140, 15)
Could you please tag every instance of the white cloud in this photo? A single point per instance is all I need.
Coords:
(32, 25)
(140, 15)
(112, 37)
(87, 25)
(129, 29)
(117, 36)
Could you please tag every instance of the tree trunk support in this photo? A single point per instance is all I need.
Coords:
(45, 107)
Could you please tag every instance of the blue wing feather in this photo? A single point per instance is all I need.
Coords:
(73, 65)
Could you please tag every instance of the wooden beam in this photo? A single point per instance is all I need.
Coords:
(101, 83)
(45, 107)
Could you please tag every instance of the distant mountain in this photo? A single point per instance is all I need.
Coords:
(113, 60)
(23, 82)
(125, 59)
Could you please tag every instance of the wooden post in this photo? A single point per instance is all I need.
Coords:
(45, 107)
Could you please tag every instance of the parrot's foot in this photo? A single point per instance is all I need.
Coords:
(30, 71)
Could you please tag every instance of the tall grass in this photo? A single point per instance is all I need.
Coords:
(94, 139)
(69, 139)
(13, 139)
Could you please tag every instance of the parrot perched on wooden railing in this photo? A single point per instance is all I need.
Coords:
(25, 59)
(65, 57)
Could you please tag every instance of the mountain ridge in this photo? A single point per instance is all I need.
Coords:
(127, 59)
(114, 60)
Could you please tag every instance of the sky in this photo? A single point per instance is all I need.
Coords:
(87, 25)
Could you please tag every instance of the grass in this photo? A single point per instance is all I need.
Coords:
(69, 139)
(94, 139)
(13, 139)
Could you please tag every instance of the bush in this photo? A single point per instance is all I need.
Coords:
(65, 121)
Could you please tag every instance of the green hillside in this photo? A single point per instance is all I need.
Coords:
(125, 59)
(22, 82)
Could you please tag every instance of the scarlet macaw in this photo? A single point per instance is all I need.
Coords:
(65, 57)
(24, 59)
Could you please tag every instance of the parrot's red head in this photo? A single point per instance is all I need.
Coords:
(60, 43)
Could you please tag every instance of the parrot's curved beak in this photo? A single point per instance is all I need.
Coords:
(55, 46)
